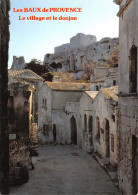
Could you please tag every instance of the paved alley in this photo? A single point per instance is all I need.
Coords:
(66, 170)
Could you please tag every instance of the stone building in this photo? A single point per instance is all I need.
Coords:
(128, 96)
(4, 139)
(26, 75)
(103, 77)
(54, 120)
(98, 110)
(85, 53)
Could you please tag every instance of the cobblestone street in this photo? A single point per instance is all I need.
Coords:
(66, 170)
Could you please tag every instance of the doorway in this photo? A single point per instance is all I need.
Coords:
(107, 138)
(54, 133)
(73, 130)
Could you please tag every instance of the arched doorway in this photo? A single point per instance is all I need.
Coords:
(90, 130)
(107, 138)
(73, 130)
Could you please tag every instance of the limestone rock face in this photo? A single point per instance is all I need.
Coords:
(18, 63)
(86, 53)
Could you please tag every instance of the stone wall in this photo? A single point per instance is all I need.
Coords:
(52, 114)
(4, 139)
(20, 131)
(78, 41)
(45, 114)
(128, 96)
(81, 40)
(18, 63)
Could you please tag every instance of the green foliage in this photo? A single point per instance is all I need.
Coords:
(67, 76)
(49, 76)
(36, 66)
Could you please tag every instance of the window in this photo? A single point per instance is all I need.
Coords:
(44, 103)
(114, 82)
(85, 123)
(112, 142)
(133, 70)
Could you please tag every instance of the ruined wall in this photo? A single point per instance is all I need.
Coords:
(4, 142)
(128, 99)
(62, 48)
(76, 60)
(80, 40)
(19, 125)
(18, 63)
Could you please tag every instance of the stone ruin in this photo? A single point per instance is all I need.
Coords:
(18, 63)
(83, 51)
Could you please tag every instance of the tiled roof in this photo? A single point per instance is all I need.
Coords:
(91, 94)
(16, 73)
(100, 80)
(64, 86)
(111, 93)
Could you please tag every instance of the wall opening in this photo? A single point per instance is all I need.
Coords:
(107, 138)
(97, 129)
(54, 133)
(44, 103)
(85, 123)
(114, 82)
(90, 130)
(73, 130)
(135, 163)
(133, 70)
(97, 88)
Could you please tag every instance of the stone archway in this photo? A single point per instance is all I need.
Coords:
(73, 130)
(90, 130)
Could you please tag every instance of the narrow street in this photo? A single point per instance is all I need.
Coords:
(66, 170)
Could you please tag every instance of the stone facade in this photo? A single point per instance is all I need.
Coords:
(80, 58)
(128, 96)
(54, 120)
(4, 139)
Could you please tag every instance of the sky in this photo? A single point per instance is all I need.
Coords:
(34, 39)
